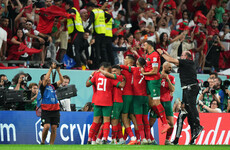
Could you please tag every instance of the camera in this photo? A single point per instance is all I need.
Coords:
(205, 84)
(26, 79)
(7, 83)
(60, 65)
(214, 38)
(213, 91)
(200, 103)
(9, 98)
(226, 84)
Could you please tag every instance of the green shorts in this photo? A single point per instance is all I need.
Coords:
(153, 88)
(168, 110)
(104, 111)
(127, 102)
(141, 105)
(116, 111)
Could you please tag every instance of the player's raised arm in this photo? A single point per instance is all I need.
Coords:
(90, 81)
(107, 74)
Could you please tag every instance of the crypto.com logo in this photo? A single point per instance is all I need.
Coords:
(38, 132)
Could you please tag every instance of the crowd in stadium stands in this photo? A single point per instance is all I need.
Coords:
(42, 31)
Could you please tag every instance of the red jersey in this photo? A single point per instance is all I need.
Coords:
(128, 89)
(139, 83)
(152, 60)
(165, 92)
(103, 96)
(212, 31)
(162, 47)
(200, 38)
(94, 89)
(117, 92)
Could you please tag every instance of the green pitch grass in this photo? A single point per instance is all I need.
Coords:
(114, 147)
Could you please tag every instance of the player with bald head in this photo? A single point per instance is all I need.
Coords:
(189, 85)
(166, 96)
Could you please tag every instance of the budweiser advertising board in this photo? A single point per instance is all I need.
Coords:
(216, 130)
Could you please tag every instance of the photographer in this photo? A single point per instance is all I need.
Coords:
(48, 101)
(4, 83)
(208, 94)
(65, 103)
(213, 54)
(224, 93)
(228, 105)
(31, 104)
(213, 108)
(221, 90)
(20, 83)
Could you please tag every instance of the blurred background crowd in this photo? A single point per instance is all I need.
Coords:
(34, 33)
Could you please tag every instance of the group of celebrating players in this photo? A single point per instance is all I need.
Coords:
(124, 93)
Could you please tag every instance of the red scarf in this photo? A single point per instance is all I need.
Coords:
(31, 32)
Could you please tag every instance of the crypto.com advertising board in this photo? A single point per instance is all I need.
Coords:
(24, 127)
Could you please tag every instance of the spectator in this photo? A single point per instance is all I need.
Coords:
(225, 19)
(45, 26)
(86, 59)
(146, 17)
(84, 17)
(213, 29)
(116, 7)
(117, 50)
(20, 21)
(118, 24)
(164, 41)
(3, 43)
(153, 36)
(219, 11)
(213, 108)
(4, 8)
(163, 24)
(212, 57)
(88, 107)
(224, 60)
(170, 4)
(16, 42)
(34, 38)
(31, 104)
(121, 44)
(64, 36)
(201, 47)
(185, 18)
(5, 26)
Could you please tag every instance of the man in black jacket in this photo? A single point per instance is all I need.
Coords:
(189, 85)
